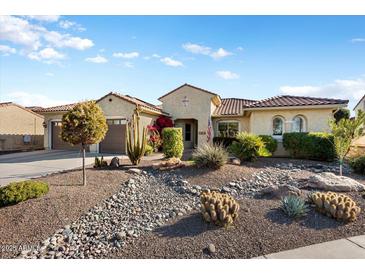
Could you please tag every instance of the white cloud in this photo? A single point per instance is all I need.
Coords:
(197, 49)
(31, 99)
(171, 62)
(220, 53)
(358, 40)
(204, 50)
(67, 41)
(240, 48)
(46, 18)
(6, 50)
(32, 36)
(66, 24)
(352, 89)
(48, 55)
(227, 75)
(97, 59)
(126, 55)
(49, 74)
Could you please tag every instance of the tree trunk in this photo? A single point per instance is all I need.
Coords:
(341, 164)
(83, 166)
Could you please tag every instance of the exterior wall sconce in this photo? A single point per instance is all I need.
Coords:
(44, 124)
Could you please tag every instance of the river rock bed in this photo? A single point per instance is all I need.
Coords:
(142, 204)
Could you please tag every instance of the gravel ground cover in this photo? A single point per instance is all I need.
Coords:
(29, 222)
(155, 214)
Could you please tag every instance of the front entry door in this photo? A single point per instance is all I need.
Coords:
(187, 132)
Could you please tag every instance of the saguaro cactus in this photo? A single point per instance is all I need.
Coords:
(136, 143)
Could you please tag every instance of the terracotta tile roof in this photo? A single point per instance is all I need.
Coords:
(290, 100)
(136, 101)
(5, 104)
(128, 98)
(53, 109)
(232, 106)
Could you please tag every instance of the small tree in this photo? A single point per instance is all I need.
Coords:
(345, 132)
(84, 125)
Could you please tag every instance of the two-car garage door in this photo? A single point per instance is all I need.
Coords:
(114, 140)
(57, 142)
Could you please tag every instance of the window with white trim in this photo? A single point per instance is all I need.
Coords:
(277, 126)
(228, 128)
(298, 124)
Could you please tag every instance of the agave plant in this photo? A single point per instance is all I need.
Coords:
(294, 206)
(136, 143)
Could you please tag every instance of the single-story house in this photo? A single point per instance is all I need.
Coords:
(20, 128)
(360, 106)
(202, 115)
(117, 109)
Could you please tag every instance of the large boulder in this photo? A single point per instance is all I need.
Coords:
(280, 191)
(114, 162)
(330, 182)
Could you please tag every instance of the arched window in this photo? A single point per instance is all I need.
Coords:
(277, 126)
(299, 124)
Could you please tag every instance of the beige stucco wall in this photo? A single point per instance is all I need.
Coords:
(199, 107)
(15, 122)
(316, 119)
(117, 108)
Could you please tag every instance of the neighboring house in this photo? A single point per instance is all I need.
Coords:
(20, 128)
(360, 106)
(117, 109)
(202, 115)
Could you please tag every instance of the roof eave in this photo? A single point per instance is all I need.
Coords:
(297, 107)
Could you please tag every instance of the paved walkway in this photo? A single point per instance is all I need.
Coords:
(348, 248)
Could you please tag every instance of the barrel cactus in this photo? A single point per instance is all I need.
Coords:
(338, 206)
(219, 208)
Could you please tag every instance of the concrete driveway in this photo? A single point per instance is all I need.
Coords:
(23, 165)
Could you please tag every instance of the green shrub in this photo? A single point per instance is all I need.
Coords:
(358, 164)
(224, 141)
(270, 142)
(22, 191)
(247, 147)
(148, 150)
(294, 206)
(173, 145)
(312, 145)
(211, 156)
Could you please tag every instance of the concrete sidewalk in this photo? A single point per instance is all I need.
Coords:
(347, 248)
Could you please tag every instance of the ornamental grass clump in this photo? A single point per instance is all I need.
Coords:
(21, 191)
(293, 206)
(210, 156)
(248, 147)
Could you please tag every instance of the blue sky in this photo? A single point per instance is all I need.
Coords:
(59, 59)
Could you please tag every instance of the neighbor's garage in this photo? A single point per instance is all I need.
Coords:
(114, 141)
(57, 142)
